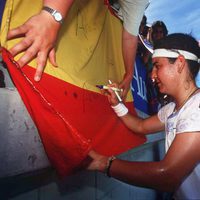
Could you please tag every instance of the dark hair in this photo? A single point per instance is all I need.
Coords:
(185, 42)
(144, 18)
(158, 24)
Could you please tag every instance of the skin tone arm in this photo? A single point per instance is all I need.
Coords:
(138, 125)
(33, 33)
(135, 123)
(165, 175)
(178, 162)
(129, 48)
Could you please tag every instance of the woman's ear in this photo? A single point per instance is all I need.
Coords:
(180, 62)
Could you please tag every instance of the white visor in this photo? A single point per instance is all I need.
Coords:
(174, 53)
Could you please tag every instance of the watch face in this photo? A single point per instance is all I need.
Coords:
(58, 16)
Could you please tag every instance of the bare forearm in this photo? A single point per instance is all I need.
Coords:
(143, 174)
(134, 123)
(142, 126)
(165, 175)
(129, 47)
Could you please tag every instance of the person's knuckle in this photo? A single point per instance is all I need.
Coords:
(25, 43)
(30, 53)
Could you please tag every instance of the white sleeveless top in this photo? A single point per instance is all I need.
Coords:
(187, 119)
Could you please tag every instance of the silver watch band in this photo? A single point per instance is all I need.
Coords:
(56, 15)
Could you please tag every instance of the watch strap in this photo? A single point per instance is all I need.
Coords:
(53, 12)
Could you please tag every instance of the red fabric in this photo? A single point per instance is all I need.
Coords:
(70, 120)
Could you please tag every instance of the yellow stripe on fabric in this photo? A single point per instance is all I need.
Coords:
(88, 48)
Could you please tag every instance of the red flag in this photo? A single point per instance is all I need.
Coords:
(70, 120)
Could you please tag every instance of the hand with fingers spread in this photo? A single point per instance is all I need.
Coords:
(38, 35)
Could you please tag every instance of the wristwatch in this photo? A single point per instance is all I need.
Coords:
(56, 15)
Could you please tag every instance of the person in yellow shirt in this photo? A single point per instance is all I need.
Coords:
(39, 34)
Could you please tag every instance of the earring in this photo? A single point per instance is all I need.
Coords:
(153, 80)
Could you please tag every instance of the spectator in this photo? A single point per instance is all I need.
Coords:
(142, 30)
(141, 50)
(159, 30)
(42, 25)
